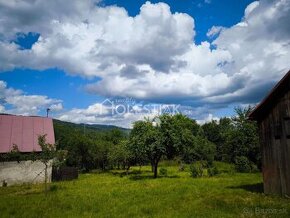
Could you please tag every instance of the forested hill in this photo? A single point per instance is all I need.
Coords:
(88, 146)
(61, 125)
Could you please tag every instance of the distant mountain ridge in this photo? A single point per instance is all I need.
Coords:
(96, 127)
(93, 127)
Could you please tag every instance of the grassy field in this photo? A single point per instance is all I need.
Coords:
(114, 194)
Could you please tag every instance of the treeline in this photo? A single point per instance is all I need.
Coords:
(88, 147)
(232, 140)
(236, 140)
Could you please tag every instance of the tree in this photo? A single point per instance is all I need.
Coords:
(200, 149)
(182, 136)
(177, 132)
(120, 155)
(82, 152)
(90, 149)
(115, 136)
(225, 126)
(169, 137)
(145, 139)
(241, 140)
(100, 152)
(47, 154)
(217, 132)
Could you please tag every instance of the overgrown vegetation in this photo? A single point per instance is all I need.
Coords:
(236, 140)
(114, 194)
(90, 147)
(233, 140)
(196, 170)
(49, 155)
(167, 137)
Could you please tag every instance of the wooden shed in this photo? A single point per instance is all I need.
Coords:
(273, 117)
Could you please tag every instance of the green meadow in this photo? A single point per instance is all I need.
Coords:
(137, 194)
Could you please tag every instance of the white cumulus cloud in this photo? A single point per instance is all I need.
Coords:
(151, 56)
(13, 101)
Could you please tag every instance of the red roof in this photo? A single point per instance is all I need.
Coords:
(24, 131)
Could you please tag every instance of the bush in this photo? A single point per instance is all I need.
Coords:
(200, 150)
(212, 171)
(242, 164)
(163, 172)
(53, 188)
(196, 170)
(254, 168)
(225, 167)
(181, 167)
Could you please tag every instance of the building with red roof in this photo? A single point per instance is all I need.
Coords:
(23, 131)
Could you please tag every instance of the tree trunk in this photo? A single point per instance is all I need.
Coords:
(45, 179)
(155, 170)
(127, 169)
(103, 165)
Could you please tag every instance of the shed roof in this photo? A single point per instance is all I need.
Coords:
(24, 131)
(263, 108)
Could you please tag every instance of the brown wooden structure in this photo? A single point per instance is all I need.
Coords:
(64, 173)
(273, 117)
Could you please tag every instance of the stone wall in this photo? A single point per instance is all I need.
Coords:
(13, 173)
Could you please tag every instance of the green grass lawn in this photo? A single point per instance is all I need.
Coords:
(113, 194)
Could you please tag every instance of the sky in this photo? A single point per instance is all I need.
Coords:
(118, 61)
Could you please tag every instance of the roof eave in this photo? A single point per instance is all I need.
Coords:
(255, 114)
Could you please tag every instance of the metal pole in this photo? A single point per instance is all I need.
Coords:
(47, 111)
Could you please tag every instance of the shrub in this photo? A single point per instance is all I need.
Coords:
(212, 171)
(163, 171)
(181, 167)
(196, 170)
(53, 188)
(14, 154)
(193, 171)
(242, 164)
(4, 183)
(254, 168)
(225, 167)
(200, 150)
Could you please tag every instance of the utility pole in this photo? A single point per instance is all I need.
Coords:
(47, 111)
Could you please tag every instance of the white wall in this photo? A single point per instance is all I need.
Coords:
(23, 172)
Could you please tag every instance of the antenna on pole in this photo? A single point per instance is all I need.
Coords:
(47, 111)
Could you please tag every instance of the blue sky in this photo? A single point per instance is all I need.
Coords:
(197, 54)
(206, 13)
(53, 83)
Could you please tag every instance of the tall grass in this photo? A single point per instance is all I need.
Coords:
(115, 194)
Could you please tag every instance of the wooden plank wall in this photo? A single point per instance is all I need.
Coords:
(275, 148)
